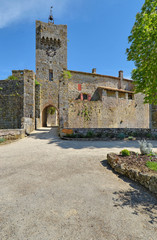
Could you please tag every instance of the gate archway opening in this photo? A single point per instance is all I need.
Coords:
(49, 116)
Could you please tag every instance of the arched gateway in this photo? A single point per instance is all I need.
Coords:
(50, 116)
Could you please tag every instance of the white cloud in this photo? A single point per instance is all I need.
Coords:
(19, 10)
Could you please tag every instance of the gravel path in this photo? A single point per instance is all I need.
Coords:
(51, 189)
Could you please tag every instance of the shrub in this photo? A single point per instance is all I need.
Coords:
(145, 147)
(37, 83)
(2, 140)
(148, 135)
(80, 135)
(73, 135)
(90, 134)
(67, 74)
(99, 134)
(155, 136)
(152, 165)
(130, 138)
(11, 77)
(125, 152)
(135, 134)
(121, 136)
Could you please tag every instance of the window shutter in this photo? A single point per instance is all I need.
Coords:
(79, 87)
(89, 97)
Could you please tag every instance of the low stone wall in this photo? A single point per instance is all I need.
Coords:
(12, 134)
(111, 133)
(149, 180)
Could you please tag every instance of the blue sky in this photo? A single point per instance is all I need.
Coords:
(97, 32)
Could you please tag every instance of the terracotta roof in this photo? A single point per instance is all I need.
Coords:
(99, 75)
(116, 89)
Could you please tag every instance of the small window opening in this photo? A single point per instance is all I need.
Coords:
(111, 93)
(85, 96)
(121, 95)
(130, 96)
(50, 75)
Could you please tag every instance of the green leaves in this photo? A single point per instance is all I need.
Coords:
(143, 51)
(11, 77)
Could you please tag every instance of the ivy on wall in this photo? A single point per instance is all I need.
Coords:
(51, 110)
(66, 74)
(85, 113)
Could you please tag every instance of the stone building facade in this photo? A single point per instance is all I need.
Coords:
(77, 99)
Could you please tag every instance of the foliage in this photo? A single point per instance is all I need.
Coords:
(2, 140)
(11, 77)
(73, 135)
(67, 74)
(145, 148)
(121, 136)
(51, 110)
(1, 88)
(152, 165)
(155, 136)
(85, 113)
(90, 134)
(37, 83)
(130, 138)
(125, 152)
(143, 51)
(99, 134)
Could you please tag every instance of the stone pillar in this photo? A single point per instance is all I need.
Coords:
(63, 104)
(104, 94)
(38, 121)
(116, 94)
(28, 121)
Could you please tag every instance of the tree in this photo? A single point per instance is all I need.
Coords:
(143, 51)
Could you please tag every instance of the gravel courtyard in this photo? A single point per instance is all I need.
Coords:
(52, 189)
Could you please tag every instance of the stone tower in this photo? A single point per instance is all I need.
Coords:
(51, 60)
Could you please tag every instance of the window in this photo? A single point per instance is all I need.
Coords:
(111, 93)
(130, 96)
(50, 75)
(85, 96)
(121, 95)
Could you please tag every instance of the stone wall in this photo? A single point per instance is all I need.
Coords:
(29, 101)
(17, 101)
(12, 134)
(105, 106)
(11, 103)
(113, 132)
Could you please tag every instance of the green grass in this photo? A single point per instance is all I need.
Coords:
(2, 140)
(152, 165)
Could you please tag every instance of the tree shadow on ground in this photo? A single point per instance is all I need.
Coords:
(51, 135)
(138, 198)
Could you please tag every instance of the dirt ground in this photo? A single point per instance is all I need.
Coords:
(52, 189)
